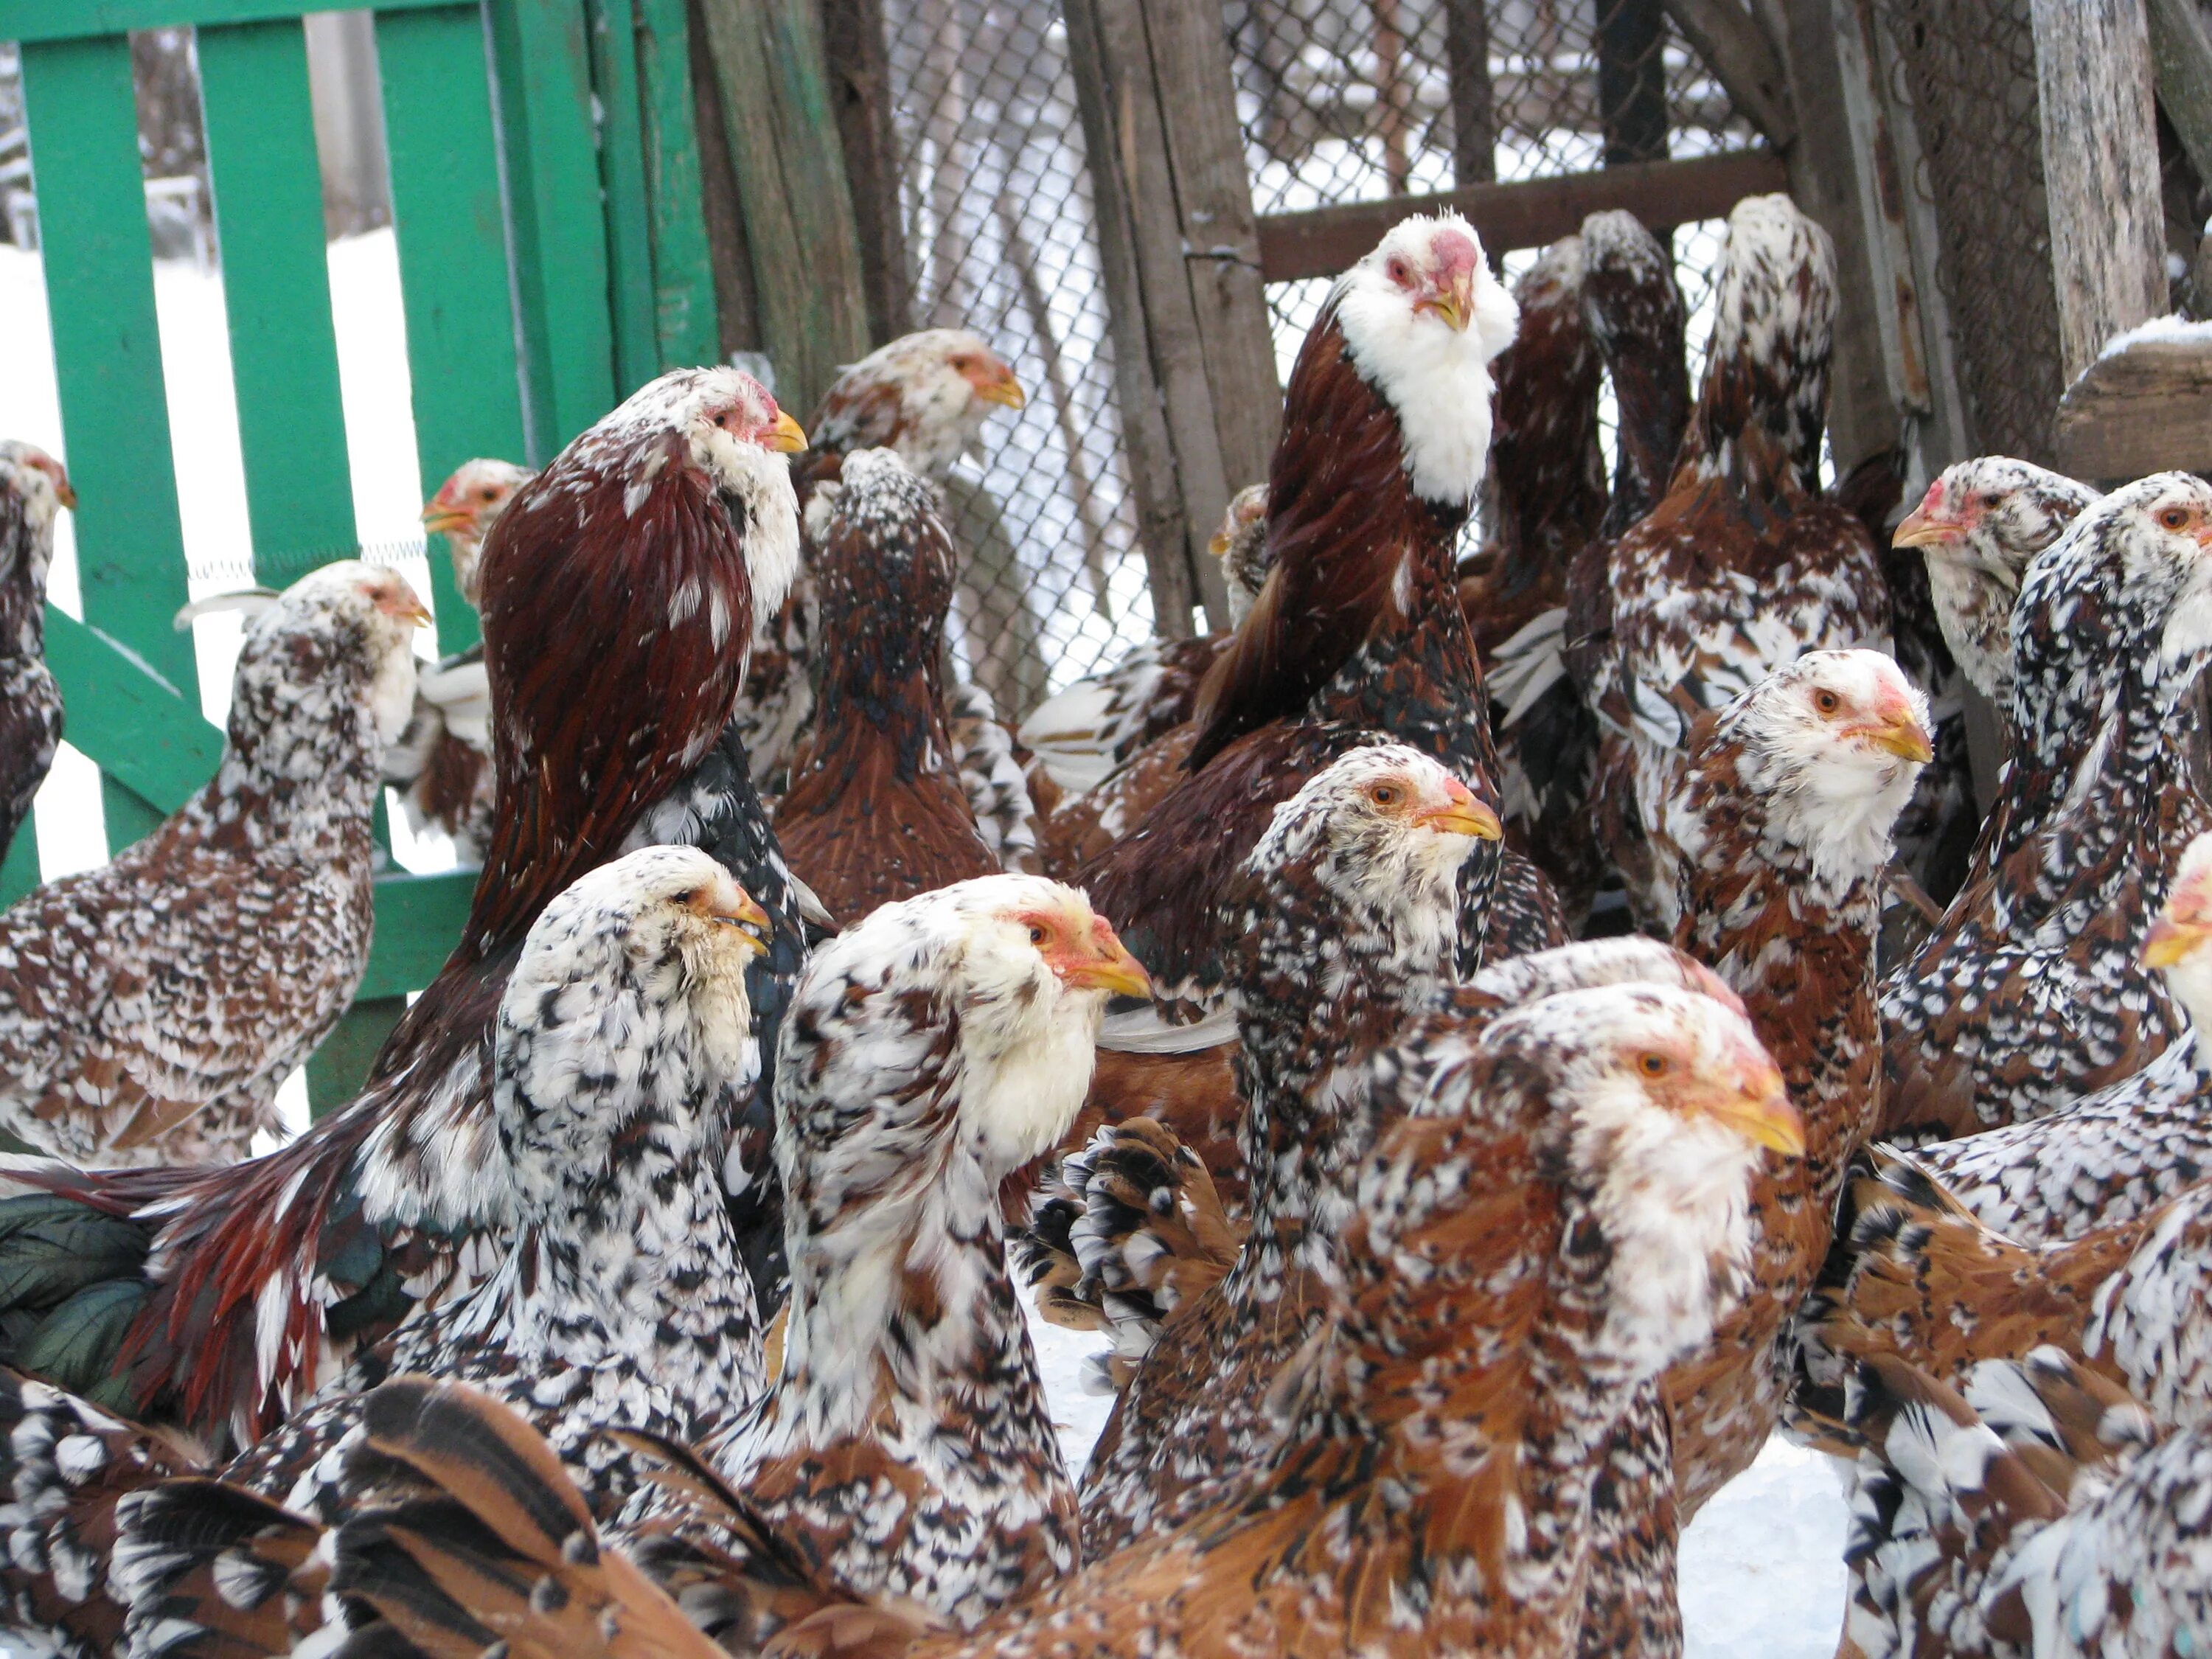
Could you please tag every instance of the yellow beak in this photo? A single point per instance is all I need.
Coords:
(1114, 970)
(438, 521)
(403, 606)
(1758, 1108)
(787, 436)
(752, 923)
(1906, 738)
(1002, 388)
(2169, 941)
(1920, 530)
(1462, 814)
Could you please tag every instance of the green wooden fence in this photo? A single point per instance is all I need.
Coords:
(553, 257)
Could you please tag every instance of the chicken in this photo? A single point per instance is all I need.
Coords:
(441, 761)
(33, 489)
(2112, 1155)
(2039, 1512)
(1978, 525)
(622, 1036)
(934, 1049)
(216, 1301)
(1743, 566)
(2030, 992)
(1385, 432)
(150, 1009)
(875, 809)
(1544, 1180)
(925, 396)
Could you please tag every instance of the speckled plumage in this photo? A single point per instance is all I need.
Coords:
(648, 548)
(149, 1009)
(1743, 565)
(2030, 992)
(32, 489)
(930, 1052)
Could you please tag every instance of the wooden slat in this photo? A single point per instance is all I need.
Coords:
(799, 230)
(52, 19)
(1744, 61)
(107, 358)
(2100, 171)
(1531, 214)
(1474, 115)
(683, 273)
(445, 209)
(276, 292)
(543, 67)
(858, 58)
(622, 170)
(145, 731)
(19, 869)
(2147, 408)
(2181, 53)
(418, 920)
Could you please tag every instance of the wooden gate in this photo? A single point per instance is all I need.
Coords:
(545, 190)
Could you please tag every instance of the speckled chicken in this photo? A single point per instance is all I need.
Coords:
(149, 1009)
(2031, 993)
(33, 489)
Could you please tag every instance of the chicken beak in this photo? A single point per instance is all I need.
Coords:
(2170, 941)
(1905, 738)
(999, 386)
(787, 436)
(754, 927)
(1756, 1106)
(65, 495)
(1110, 969)
(1456, 304)
(1217, 544)
(1462, 814)
(404, 606)
(439, 520)
(1921, 528)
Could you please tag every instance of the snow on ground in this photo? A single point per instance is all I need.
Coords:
(1762, 1565)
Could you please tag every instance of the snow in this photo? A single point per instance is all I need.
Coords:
(1762, 1566)
(2166, 330)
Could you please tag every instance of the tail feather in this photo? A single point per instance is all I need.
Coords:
(211, 1570)
(1131, 1231)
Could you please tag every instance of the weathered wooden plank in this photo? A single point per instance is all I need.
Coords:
(861, 92)
(1530, 213)
(276, 294)
(2093, 73)
(47, 20)
(543, 64)
(622, 173)
(1743, 60)
(107, 359)
(1220, 244)
(467, 385)
(2147, 408)
(1163, 522)
(1631, 80)
(2181, 58)
(799, 229)
(737, 315)
(683, 273)
(1474, 115)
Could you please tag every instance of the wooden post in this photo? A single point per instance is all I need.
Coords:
(1184, 288)
(1743, 60)
(1631, 80)
(1475, 114)
(2093, 72)
(736, 318)
(804, 246)
(861, 92)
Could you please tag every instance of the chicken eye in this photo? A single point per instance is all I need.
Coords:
(1037, 935)
(1383, 794)
(1399, 273)
(1652, 1065)
(1827, 702)
(2174, 518)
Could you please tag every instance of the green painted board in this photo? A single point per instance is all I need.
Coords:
(418, 923)
(622, 171)
(19, 870)
(340, 1064)
(452, 258)
(70, 20)
(683, 269)
(542, 62)
(276, 292)
(142, 730)
(108, 356)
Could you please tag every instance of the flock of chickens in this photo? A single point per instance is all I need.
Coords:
(657, 1294)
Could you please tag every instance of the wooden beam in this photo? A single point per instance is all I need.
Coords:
(2093, 73)
(1475, 110)
(2147, 408)
(44, 20)
(1632, 81)
(860, 93)
(1532, 214)
(737, 317)
(1155, 466)
(2181, 58)
(1743, 60)
(769, 66)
